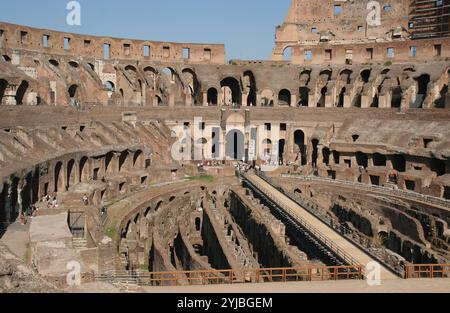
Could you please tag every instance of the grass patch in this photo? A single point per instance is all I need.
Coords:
(26, 254)
(111, 231)
(201, 178)
(388, 63)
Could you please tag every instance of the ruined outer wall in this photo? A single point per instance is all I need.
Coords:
(27, 38)
(309, 24)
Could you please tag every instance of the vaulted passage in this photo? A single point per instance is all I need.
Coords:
(235, 148)
(231, 91)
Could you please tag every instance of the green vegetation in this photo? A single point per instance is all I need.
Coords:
(207, 178)
(26, 255)
(388, 63)
(111, 231)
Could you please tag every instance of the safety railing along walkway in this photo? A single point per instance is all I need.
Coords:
(380, 254)
(396, 192)
(427, 271)
(336, 249)
(235, 276)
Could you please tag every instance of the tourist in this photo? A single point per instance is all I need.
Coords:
(85, 200)
(55, 203)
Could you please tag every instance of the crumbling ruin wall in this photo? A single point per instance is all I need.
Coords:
(265, 233)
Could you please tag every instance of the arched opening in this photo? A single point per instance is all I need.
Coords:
(20, 93)
(57, 177)
(3, 86)
(109, 86)
(365, 75)
(193, 85)
(336, 157)
(397, 94)
(299, 146)
(287, 54)
(304, 97)
(440, 101)
(326, 155)
(267, 98)
(281, 147)
(235, 149)
(212, 97)
(399, 163)
(341, 98)
(169, 73)
(323, 94)
(379, 160)
(84, 170)
(108, 159)
(362, 159)
(73, 89)
(70, 174)
(198, 224)
(130, 68)
(138, 159)
(250, 87)
(231, 91)
(53, 62)
(315, 152)
(201, 146)
(267, 148)
(158, 100)
(345, 76)
(438, 166)
(123, 158)
(383, 238)
(422, 90)
(305, 78)
(73, 64)
(284, 97)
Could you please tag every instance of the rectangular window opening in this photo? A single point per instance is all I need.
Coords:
(308, 55)
(186, 53)
(166, 52)
(207, 54)
(146, 51)
(23, 37)
(390, 53)
(127, 48)
(66, 43)
(106, 51)
(45, 41)
(437, 50)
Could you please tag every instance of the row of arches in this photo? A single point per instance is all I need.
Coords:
(17, 93)
(57, 176)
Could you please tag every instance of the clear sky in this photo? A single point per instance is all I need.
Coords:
(246, 27)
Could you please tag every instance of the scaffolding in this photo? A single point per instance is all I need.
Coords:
(430, 19)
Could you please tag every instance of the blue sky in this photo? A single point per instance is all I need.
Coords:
(246, 27)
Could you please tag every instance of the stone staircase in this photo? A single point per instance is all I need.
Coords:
(79, 243)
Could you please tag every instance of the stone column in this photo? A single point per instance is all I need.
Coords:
(294, 100)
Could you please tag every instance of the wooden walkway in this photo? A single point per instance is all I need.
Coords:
(351, 249)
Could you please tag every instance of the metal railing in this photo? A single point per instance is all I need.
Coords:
(236, 276)
(336, 249)
(396, 192)
(427, 271)
(378, 253)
